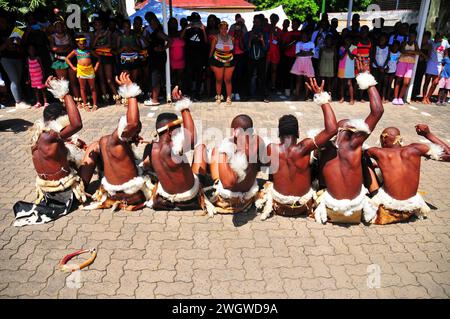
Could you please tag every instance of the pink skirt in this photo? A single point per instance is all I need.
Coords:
(303, 66)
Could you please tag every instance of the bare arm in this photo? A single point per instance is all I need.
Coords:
(330, 122)
(424, 130)
(213, 46)
(228, 177)
(74, 117)
(132, 112)
(71, 54)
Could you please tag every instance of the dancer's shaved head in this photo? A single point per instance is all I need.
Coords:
(390, 137)
(242, 121)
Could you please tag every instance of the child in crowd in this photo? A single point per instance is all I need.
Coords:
(327, 63)
(389, 76)
(363, 49)
(303, 67)
(409, 50)
(434, 65)
(346, 69)
(380, 58)
(36, 74)
(444, 80)
(85, 72)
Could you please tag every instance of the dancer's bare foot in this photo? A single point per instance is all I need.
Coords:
(341, 100)
(351, 102)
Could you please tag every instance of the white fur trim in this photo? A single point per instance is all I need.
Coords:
(180, 197)
(365, 146)
(131, 187)
(130, 90)
(406, 205)
(75, 154)
(239, 164)
(227, 147)
(59, 88)
(59, 124)
(436, 152)
(360, 125)
(345, 206)
(322, 98)
(121, 127)
(178, 142)
(226, 193)
(313, 132)
(365, 80)
(183, 104)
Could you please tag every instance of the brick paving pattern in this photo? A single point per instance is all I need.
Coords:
(145, 254)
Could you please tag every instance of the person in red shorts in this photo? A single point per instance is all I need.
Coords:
(273, 56)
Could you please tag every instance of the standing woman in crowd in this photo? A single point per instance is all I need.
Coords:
(103, 46)
(273, 55)
(240, 60)
(143, 68)
(159, 42)
(61, 44)
(289, 39)
(176, 53)
(363, 50)
(128, 48)
(222, 61)
(346, 69)
(11, 58)
(303, 67)
(212, 30)
(409, 50)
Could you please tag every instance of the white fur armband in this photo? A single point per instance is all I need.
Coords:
(239, 164)
(436, 152)
(183, 104)
(360, 125)
(228, 148)
(322, 98)
(178, 143)
(365, 80)
(121, 127)
(59, 88)
(129, 90)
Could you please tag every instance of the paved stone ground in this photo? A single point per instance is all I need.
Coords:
(158, 255)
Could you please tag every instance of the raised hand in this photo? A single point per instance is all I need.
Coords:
(176, 93)
(362, 65)
(312, 85)
(123, 78)
(422, 129)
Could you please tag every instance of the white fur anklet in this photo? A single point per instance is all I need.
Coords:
(59, 88)
(365, 80)
(183, 104)
(130, 90)
(322, 98)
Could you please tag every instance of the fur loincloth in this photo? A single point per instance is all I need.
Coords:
(391, 210)
(54, 199)
(224, 201)
(344, 210)
(269, 200)
(131, 195)
(191, 199)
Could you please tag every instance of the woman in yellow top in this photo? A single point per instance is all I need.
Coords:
(222, 62)
(85, 71)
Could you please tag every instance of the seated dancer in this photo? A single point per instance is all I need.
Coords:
(234, 165)
(397, 200)
(290, 192)
(179, 185)
(63, 169)
(121, 186)
(344, 199)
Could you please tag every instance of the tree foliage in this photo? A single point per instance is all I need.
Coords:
(293, 8)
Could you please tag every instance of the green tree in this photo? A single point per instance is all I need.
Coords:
(293, 8)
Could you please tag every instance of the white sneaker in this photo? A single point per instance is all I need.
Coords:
(22, 105)
(237, 97)
(400, 102)
(2, 106)
(395, 101)
(148, 102)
